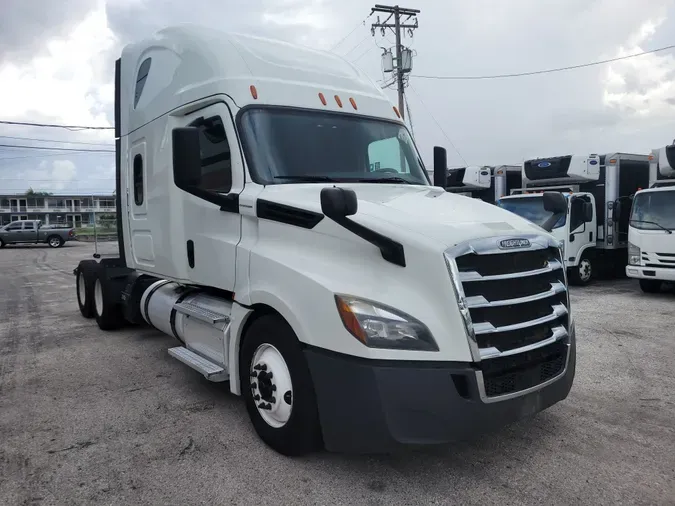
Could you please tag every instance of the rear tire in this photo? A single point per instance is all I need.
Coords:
(54, 241)
(290, 424)
(2, 243)
(583, 273)
(650, 285)
(84, 283)
(107, 312)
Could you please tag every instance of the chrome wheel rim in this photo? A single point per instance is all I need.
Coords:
(271, 385)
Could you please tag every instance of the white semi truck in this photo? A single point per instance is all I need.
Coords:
(651, 241)
(487, 183)
(598, 189)
(268, 223)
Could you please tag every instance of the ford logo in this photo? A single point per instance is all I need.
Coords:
(593, 162)
(514, 243)
(544, 164)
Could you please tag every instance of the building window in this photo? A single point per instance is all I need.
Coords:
(138, 180)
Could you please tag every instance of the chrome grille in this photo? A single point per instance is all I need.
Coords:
(516, 309)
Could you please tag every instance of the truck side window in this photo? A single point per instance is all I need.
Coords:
(15, 226)
(577, 213)
(216, 173)
(138, 180)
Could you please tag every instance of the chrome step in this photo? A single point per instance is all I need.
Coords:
(211, 371)
(199, 313)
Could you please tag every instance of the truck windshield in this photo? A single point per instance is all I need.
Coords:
(653, 211)
(290, 146)
(530, 208)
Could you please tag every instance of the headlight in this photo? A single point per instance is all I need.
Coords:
(633, 254)
(379, 326)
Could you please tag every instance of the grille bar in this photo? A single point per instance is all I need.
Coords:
(487, 328)
(553, 265)
(480, 301)
(492, 352)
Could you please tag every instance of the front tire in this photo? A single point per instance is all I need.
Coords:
(277, 387)
(2, 243)
(582, 274)
(650, 285)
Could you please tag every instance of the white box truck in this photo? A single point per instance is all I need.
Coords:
(651, 241)
(268, 223)
(598, 188)
(487, 183)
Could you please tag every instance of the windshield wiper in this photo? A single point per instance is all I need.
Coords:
(668, 231)
(392, 179)
(309, 178)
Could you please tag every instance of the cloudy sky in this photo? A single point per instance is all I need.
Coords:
(56, 66)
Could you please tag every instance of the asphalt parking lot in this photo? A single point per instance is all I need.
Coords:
(88, 417)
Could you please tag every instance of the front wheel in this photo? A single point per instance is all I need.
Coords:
(582, 274)
(2, 243)
(277, 387)
(650, 285)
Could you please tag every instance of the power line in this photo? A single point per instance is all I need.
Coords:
(48, 125)
(439, 125)
(355, 28)
(546, 71)
(46, 155)
(28, 180)
(58, 149)
(409, 116)
(56, 141)
(357, 45)
(364, 54)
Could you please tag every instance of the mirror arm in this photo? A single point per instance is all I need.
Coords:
(392, 251)
(552, 220)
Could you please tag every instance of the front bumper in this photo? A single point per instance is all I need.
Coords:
(656, 273)
(378, 406)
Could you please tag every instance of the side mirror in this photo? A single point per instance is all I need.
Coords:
(338, 203)
(187, 162)
(440, 167)
(588, 212)
(555, 203)
(616, 213)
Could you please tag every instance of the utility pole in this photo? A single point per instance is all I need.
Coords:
(403, 63)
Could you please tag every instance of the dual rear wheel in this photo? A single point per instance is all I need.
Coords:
(94, 296)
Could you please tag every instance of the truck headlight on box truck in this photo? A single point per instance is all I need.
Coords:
(633, 254)
(379, 326)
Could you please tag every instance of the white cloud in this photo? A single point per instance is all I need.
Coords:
(63, 84)
(627, 105)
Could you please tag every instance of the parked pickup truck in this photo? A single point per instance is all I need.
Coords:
(33, 232)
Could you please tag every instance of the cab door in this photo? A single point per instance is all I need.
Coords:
(213, 230)
(582, 226)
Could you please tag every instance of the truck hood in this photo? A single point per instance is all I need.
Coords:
(653, 241)
(427, 210)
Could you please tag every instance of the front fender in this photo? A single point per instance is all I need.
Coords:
(297, 272)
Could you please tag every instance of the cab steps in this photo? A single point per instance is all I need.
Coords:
(211, 371)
